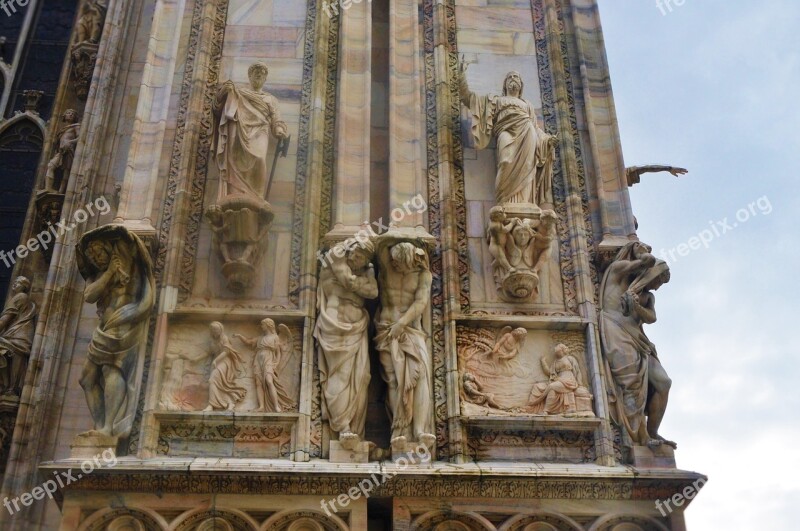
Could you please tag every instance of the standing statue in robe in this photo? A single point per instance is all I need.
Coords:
(405, 293)
(17, 328)
(525, 153)
(342, 334)
(245, 120)
(119, 279)
(273, 351)
(640, 386)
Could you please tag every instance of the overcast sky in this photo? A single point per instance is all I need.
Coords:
(713, 86)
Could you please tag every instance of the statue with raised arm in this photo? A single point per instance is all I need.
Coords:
(274, 349)
(405, 292)
(639, 385)
(342, 334)
(119, 280)
(525, 153)
(246, 119)
(17, 327)
(633, 175)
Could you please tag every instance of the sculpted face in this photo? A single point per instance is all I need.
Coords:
(216, 330)
(258, 75)
(20, 285)
(267, 325)
(561, 351)
(70, 116)
(497, 214)
(403, 257)
(97, 254)
(522, 236)
(357, 260)
(513, 85)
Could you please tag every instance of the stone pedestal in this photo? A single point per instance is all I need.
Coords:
(89, 445)
(340, 454)
(84, 57)
(412, 452)
(527, 247)
(240, 224)
(659, 457)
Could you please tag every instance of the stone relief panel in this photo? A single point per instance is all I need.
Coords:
(516, 371)
(237, 366)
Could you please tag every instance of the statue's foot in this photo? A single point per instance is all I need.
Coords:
(427, 440)
(661, 441)
(260, 410)
(349, 440)
(209, 408)
(400, 440)
(673, 444)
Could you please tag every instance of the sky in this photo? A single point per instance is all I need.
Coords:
(712, 85)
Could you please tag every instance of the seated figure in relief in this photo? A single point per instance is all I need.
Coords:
(565, 393)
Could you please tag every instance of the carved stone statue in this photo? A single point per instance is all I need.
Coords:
(405, 293)
(90, 24)
(224, 392)
(241, 217)
(119, 279)
(246, 118)
(342, 334)
(520, 247)
(525, 153)
(17, 327)
(60, 165)
(566, 392)
(273, 351)
(640, 386)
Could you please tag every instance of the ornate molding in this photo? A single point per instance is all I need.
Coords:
(408, 486)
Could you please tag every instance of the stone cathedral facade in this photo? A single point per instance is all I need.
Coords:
(324, 265)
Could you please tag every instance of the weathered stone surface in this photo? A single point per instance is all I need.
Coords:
(413, 316)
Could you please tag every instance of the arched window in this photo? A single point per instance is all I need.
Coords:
(21, 141)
